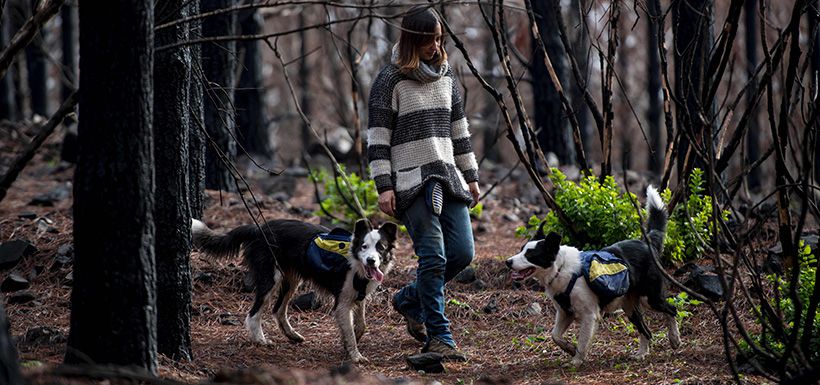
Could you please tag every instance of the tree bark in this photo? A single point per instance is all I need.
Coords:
(251, 121)
(555, 135)
(655, 106)
(580, 39)
(8, 104)
(9, 368)
(692, 28)
(814, 24)
(36, 65)
(219, 66)
(304, 82)
(196, 136)
(68, 39)
(753, 132)
(172, 215)
(113, 303)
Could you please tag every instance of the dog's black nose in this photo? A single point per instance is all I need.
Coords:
(509, 263)
(371, 261)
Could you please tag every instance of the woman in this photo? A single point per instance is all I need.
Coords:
(425, 171)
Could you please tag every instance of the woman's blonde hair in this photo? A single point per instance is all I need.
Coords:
(418, 28)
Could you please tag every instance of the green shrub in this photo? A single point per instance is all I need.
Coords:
(783, 304)
(605, 215)
(334, 199)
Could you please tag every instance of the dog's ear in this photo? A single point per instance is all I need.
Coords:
(361, 228)
(539, 234)
(553, 242)
(389, 231)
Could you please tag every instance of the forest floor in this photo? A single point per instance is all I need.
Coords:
(508, 345)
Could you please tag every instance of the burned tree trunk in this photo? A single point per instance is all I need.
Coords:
(172, 215)
(692, 28)
(555, 135)
(655, 106)
(37, 72)
(9, 368)
(251, 122)
(68, 36)
(219, 66)
(113, 316)
(753, 132)
(196, 132)
(8, 104)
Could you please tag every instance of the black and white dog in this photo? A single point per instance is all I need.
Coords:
(278, 258)
(556, 267)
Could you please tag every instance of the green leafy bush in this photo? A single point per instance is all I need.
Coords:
(605, 215)
(336, 193)
(783, 304)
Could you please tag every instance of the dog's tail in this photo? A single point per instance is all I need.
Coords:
(656, 225)
(221, 246)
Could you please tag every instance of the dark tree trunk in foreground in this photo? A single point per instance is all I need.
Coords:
(172, 215)
(692, 27)
(304, 83)
(653, 89)
(814, 24)
(555, 135)
(580, 39)
(68, 17)
(8, 104)
(9, 368)
(219, 66)
(250, 106)
(113, 304)
(753, 132)
(196, 135)
(36, 63)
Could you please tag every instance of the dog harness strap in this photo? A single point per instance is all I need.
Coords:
(563, 299)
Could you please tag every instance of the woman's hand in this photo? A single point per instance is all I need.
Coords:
(475, 191)
(387, 202)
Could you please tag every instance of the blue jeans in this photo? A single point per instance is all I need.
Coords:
(444, 246)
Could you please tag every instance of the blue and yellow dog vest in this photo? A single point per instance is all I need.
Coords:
(606, 274)
(327, 258)
(327, 252)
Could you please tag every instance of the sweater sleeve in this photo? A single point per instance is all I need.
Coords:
(462, 148)
(381, 121)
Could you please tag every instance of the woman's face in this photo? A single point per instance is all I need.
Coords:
(428, 51)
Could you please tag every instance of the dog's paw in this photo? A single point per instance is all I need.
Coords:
(358, 358)
(674, 342)
(576, 362)
(639, 356)
(296, 338)
(260, 339)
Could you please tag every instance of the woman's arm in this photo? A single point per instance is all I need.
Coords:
(462, 148)
(381, 122)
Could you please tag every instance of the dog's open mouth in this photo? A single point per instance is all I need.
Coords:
(373, 273)
(518, 275)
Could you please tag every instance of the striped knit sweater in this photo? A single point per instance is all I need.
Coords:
(417, 132)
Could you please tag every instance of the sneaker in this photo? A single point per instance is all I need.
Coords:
(450, 353)
(415, 328)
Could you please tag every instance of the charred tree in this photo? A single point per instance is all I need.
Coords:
(113, 316)
(9, 368)
(8, 103)
(580, 39)
(304, 82)
(692, 28)
(219, 66)
(251, 122)
(753, 132)
(36, 65)
(814, 27)
(172, 213)
(68, 38)
(554, 131)
(653, 87)
(196, 132)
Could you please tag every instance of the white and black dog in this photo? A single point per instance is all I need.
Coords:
(278, 257)
(557, 267)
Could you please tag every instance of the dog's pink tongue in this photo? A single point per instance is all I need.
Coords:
(376, 274)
